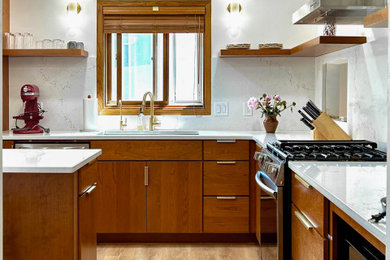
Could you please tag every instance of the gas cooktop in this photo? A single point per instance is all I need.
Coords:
(326, 150)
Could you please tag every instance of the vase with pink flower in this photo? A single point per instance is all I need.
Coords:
(270, 107)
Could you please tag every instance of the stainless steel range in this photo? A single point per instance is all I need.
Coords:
(274, 176)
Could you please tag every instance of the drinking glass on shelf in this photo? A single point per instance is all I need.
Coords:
(18, 41)
(27, 41)
(58, 44)
(47, 44)
(39, 44)
(9, 41)
(31, 39)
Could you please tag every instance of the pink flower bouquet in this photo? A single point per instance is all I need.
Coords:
(269, 105)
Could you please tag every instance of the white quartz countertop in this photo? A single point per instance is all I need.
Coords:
(354, 187)
(258, 136)
(46, 160)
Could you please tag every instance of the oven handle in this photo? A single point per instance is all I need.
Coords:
(265, 188)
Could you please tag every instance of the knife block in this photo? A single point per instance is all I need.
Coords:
(327, 129)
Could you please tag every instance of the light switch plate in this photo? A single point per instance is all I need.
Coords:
(245, 110)
(221, 108)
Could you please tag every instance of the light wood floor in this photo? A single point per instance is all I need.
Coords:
(182, 252)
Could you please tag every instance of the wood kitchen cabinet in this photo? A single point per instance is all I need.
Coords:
(166, 200)
(121, 196)
(307, 243)
(47, 217)
(142, 195)
(87, 179)
(174, 197)
(309, 221)
(226, 214)
(226, 202)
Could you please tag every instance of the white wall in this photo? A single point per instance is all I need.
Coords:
(65, 81)
(367, 83)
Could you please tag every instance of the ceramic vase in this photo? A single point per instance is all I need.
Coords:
(270, 123)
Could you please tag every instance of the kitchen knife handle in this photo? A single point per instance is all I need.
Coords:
(315, 107)
(312, 112)
(307, 123)
(309, 112)
(304, 116)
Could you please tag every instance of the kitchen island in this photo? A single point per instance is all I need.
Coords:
(354, 190)
(46, 161)
(49, 204)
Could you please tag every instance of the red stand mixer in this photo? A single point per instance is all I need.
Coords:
(32, 112)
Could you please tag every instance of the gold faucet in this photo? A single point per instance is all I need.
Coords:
(152, 121)
(122, 123)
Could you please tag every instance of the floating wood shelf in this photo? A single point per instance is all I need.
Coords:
(45, 53)
(379, 19)
(317, 47)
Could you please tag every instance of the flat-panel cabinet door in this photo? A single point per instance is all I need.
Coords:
(174, 193)
(307, 243)
(87, 225)
(121, 197)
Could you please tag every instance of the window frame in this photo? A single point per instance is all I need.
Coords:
(161, 107)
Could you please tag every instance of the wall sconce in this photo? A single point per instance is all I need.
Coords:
(73, 8)
(234, 7)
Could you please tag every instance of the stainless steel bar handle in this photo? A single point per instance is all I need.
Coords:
(146, 176)
(305, 222)
(89, 190)
(226, 141)
(265, 188)
(302, 181)
(226, 162)
(226, 197)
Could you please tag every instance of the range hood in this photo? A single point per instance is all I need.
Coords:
(336, 11)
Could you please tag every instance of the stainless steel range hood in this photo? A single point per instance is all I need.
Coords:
(338, 11)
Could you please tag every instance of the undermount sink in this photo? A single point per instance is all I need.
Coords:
(156, 132)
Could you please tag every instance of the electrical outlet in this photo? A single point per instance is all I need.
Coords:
(221, 108)
(246, 110)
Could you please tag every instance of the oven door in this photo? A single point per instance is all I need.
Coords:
(271, 218)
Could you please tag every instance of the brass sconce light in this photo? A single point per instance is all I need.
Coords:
(73, 7)
(234, 7)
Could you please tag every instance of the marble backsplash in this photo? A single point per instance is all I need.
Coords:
(367, 86)
(64, 82)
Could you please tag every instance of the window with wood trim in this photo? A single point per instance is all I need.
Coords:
(163, 47)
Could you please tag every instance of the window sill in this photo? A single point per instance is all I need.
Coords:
(158, 111)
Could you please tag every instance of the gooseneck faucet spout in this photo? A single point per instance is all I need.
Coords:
(152, 121)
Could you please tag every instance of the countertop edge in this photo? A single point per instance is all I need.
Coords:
(259, 137)
(54, 170)
(381, 236)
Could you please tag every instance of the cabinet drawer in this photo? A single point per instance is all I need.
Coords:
(88, 176)
(310, 202)
(226, 178)
(306, 243)
(148, 150)
(226, 150)
(222, 215)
